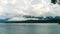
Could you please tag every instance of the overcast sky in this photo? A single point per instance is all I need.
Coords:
(13, 8)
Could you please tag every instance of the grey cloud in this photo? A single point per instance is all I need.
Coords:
(11, 13)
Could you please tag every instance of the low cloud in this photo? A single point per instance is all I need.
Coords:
(13, 8)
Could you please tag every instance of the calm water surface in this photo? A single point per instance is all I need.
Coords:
(29, 28)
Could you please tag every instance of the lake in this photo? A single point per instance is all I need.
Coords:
(29, 28)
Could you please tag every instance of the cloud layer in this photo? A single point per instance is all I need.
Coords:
(13, 8)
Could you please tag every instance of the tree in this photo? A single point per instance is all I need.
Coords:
(53, 1)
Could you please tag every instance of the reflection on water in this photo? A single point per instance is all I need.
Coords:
(30, 28)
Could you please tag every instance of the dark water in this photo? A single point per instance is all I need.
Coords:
(30, 28)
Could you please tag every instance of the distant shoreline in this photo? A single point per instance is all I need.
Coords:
(35, 21)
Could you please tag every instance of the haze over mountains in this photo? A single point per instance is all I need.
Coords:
(16, 9)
